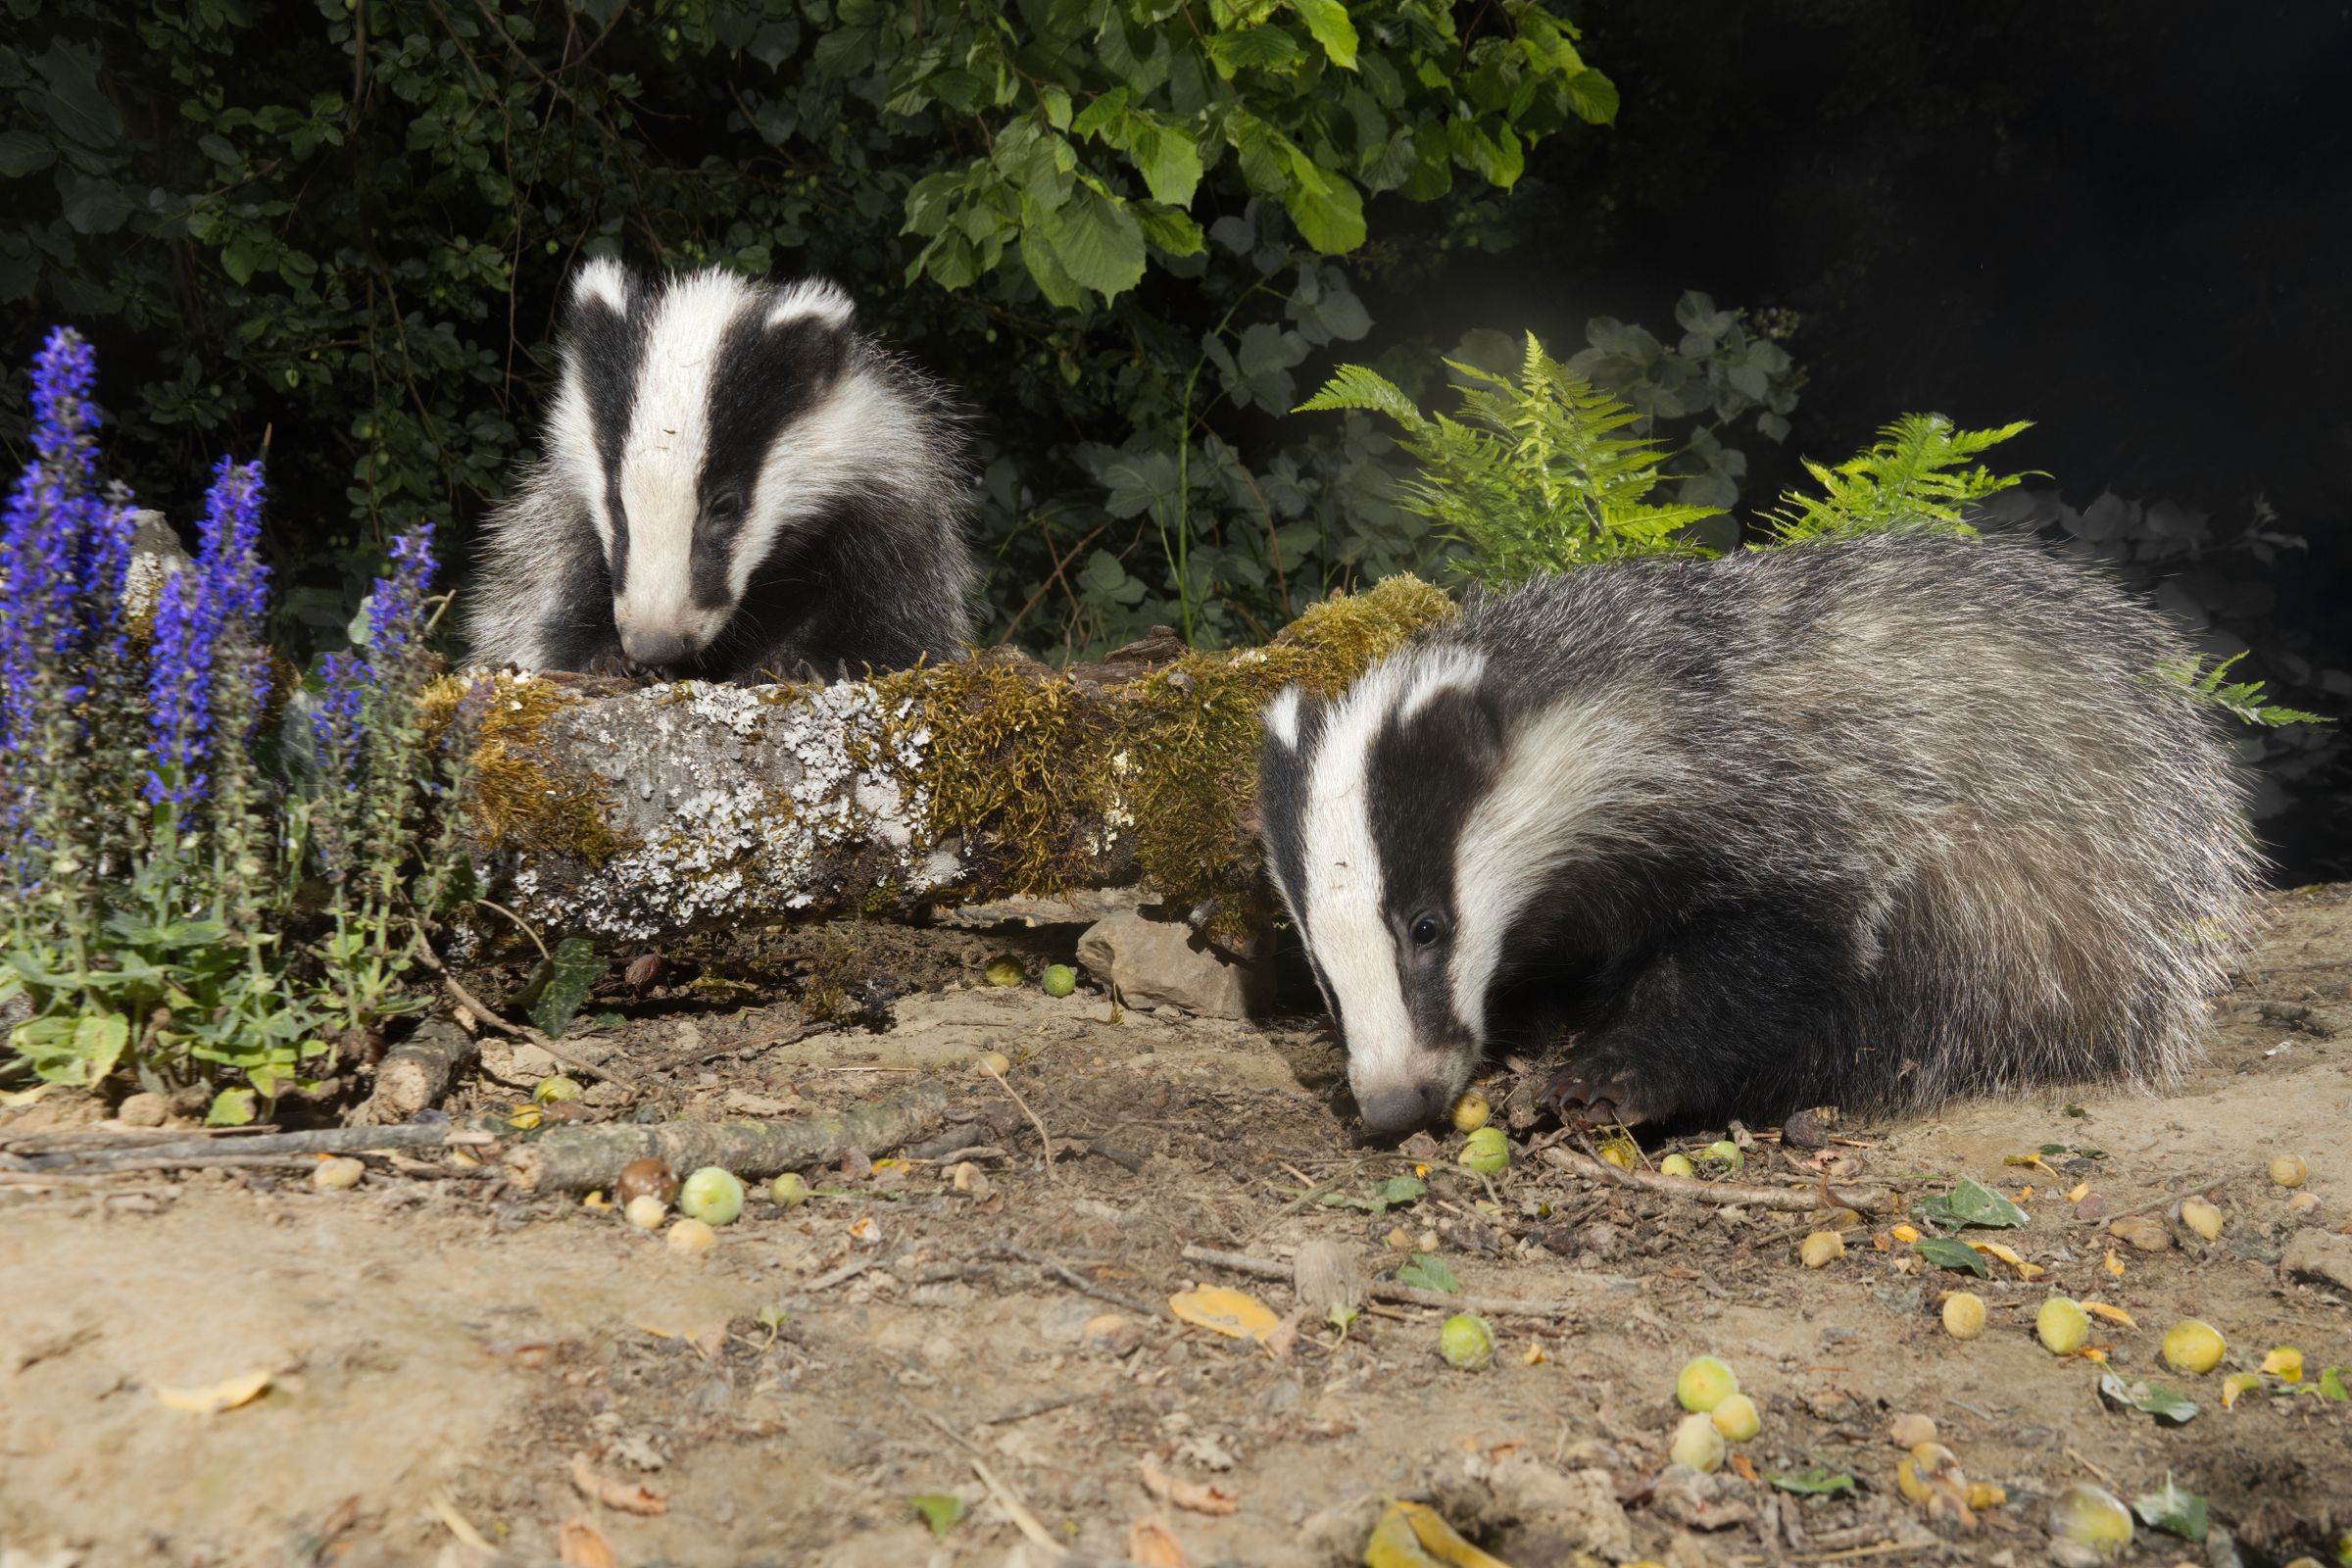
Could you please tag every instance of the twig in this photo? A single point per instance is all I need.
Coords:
(523, 925)
(1728, 1194)
(990, 1069)
(324, 1141)
(1006, 1499)
(1072, 1278)
(519, 1030)
(1879, 1549)
(702, 1053)
(834, 1276)
(1268, 1269)
(132, 1163)
(2170, 1199)
(2086, 1464)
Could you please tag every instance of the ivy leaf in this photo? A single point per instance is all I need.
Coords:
(1328, 21)
(1428, 1272)
(1331, 218)
(1261, 48)
(1944, 1253)
(943, 1511)
(1169, 159)
(1819, 1481)
(577, 969)
(1098, 241)
(1972, 1204)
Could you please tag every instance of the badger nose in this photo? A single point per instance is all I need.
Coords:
(656, 650)
(1400, 1111)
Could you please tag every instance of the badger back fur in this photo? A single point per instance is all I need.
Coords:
(736, 484)
(1870, 822)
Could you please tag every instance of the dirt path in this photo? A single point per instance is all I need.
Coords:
(441, 1349)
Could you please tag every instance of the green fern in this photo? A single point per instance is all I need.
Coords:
(2241, 699)
(1918, 474)
(1531, 477)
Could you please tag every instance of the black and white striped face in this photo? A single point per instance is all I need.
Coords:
(1365, 801)
(701, 417)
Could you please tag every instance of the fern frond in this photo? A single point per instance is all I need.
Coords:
(1360, 387)
(2241, 699)
(1921, 473)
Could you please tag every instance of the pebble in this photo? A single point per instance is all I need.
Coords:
(143, 1110)
(334, 1175)
(2142, 1233)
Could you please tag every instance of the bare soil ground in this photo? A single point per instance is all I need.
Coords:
(450, 1361)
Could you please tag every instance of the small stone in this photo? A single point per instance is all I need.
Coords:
(334, 1175)
(2091, 1208)
(1111, 1333)
(143, 1110)
(1159, 963)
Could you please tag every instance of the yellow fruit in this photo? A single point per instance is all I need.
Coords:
(2190, 1345)
(1470, 1112)
(1675, 1165)
(1465, 1342)
(333, 1175)
(645, 1211)
(1487, 1152)
(552, 1089)
(691, 1236)
(2061, 1326)
(1698, 1444)
(1704, 1383)
(991, 1064)
(1735, 1418)
(790, 1189)
(2202, 1218)
(713, 1195)
(1963, 1314)
(2091, 1516)
(2303, 1204)
(1984, 1494)
(1821, 1248)
(2288, 1171)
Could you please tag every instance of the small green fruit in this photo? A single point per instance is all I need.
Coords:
(1006, 972)
(1058, 980)
(2062, 1326)
(1466, 1343)
(551, 1090)
(1675, 1165)
(1704, 1383)
(1698, 1444)
(1737, 1418)
(789, 1189)
(712, 1195)
(1487, 1152)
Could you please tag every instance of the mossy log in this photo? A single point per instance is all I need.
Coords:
(641, 812)
(574, 1160)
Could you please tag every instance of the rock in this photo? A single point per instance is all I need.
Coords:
(1159, 962)
(1327, 1276)
(1577, 1508)
(2140, 1232)
(2319, 1255)
(143, 1110)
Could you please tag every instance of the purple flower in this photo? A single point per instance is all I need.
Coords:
(335, 730)
(179, 687)
(396, 603)
(207, 622)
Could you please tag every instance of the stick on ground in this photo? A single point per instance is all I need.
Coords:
(1266, 1268)
(1790, 1199)
(578, 1158)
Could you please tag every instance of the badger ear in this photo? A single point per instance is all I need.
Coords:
(601, 287)
(811, 298)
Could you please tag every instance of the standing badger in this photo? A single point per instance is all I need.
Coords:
(736, 485)
(1875, 823)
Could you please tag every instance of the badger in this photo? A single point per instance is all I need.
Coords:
(737, 484)
(1871, 823)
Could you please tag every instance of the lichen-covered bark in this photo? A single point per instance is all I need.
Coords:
(638, 814)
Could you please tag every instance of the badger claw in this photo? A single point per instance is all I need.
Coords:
(1577, 1101)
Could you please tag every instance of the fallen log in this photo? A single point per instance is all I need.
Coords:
(578, 1158)
(639, 812)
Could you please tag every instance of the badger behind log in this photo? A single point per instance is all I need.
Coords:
(736, 484)
(1875, 823)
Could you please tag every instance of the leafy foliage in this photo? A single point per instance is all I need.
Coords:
(1534, 477)
(1921, 473)
(2240, 700)
(1119, 225)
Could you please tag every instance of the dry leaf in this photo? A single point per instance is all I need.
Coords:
(1150, 1546)
(1279, 1343)
(2114, 1265)
(1747, 1470)
(1187, 1494)
(580, 1545)
(2025, 1270)
(1235, 1313)
(2078, 1192)
(216, 1396)
(626, 1495)
(2113, 1314)
(1413, 1535)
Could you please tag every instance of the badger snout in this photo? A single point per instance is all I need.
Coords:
(1405, 1110)
(656, 650)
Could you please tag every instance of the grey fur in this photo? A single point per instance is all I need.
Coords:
(862, 458)
(1871, 822)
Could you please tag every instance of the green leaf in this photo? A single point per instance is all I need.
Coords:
(231, 1108)
(1097, 241)
(76, 1051)
(2170, 1408)
(1428, 1272)
(94, 206)
(1328, 21)
(1170, 231)
(2173, 1510)
(943, 1511)
(1972, 1204)
(23, 153)
(1169, 159)
(1944, 1253)
(1262, 48)
(1593, 96)
(2332, 1385)
(1819, 1481)
(1330, 217)
(575, 972)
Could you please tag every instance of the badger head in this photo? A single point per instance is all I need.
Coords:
(700, 420)
(1413, 827)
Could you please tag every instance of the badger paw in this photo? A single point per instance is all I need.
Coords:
(1598, 1101)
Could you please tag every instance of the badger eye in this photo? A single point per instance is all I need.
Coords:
(724, 508)
(1426, 928)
